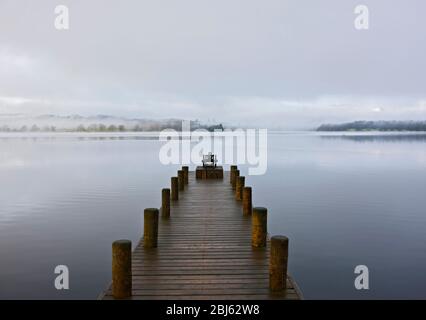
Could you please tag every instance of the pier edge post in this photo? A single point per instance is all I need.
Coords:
(185, 174)
(165, 203)
(150, 228)
(278, 263)
(247, 201)
(174, 188)
(232, 173)
(234, 180)
(181, 180)
(239, 188)
(122, 269)
(259, 226)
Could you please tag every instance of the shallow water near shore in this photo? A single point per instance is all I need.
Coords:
(342, 199)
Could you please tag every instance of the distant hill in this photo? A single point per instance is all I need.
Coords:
(375, 126)
(98, 123)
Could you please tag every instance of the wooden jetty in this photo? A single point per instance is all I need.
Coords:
(206, 242)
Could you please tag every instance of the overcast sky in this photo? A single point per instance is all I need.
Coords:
(293, 64)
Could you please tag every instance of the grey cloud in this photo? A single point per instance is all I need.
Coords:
(291, 62)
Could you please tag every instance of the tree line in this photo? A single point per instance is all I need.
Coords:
(375, 126)
(99, 127)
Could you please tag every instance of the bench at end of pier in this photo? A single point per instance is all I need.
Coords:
(204, 173)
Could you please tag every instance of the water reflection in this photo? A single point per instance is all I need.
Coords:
(378, 137)
(80, 138)
(341, 203)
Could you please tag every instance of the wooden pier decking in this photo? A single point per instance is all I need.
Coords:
(204, 251)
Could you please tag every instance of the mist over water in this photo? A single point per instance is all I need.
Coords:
(343, 200)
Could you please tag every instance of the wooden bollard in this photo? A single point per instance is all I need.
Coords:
(174, 188)
(259, 227)
(181, 180)
(232, 173)
(247, 205)
(239, 188)
(165, 203)
(278, 263)
(122, 269)
(234, 179)
(150, 228)
(185, 174)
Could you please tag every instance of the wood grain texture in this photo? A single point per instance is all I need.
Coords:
(204, 251)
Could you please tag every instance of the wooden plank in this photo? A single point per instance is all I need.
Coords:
(204, 251)
(212, 297)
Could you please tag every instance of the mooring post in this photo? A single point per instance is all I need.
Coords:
(150, 228)
(234, 179)
(122, 269)
(165, 203)
(232, 173)
(181, 180)
(185, 174)
(239, 188)
(259, 227)
(278, 263)
(247, 204)
(175, 189)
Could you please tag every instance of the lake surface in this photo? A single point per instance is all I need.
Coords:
(343, 201)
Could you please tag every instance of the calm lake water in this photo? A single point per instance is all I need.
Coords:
(343, 201)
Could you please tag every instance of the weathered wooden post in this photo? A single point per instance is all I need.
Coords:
(259, 227)
(165, 203)
(186, 174)
(122, 269)
(239, 188)
(234, 179)
(232, 173)
(278, 263)
(175, 189)
(247, 204)
(181, 180)
(150, 228)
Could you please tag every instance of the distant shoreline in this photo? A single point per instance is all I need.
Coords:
(375, 126)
